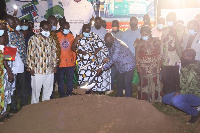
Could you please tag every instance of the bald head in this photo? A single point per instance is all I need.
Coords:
(109, 40)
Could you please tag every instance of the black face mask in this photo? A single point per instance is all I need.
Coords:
(133, 25)
(185, 62)
(108, 44)
(97, 26)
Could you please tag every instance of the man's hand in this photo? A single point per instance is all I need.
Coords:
(32, 72)
(55, 70)
(82, 52)
(10, 77)
(105, 60)
(99, 71)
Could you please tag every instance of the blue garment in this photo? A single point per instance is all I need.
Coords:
(184, 102)
(129, 38)
(69, 73)
(120, 56)
(118, 35)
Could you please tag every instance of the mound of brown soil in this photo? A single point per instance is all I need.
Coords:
(90, 114)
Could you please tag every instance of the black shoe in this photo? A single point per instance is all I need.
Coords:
(194, 119)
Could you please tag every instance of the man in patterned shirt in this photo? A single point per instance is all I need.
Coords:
(41, 61)
(121, 56)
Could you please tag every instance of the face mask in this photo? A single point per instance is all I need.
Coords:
(160, 26)
(145, 38)
(86, 34)
(24, 27)
(54, 28)
(170, 23)
(45, 33)
(18, 28)
(66, 31)
(1, 32)
(114, 28)
(97, 26)
(133, 25)
(192, 32)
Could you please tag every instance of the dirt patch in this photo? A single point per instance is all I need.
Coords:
(91, 114)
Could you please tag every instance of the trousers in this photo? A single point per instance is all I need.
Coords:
(39, 80)
(185, 102)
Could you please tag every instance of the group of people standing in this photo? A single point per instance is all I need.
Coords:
(166, 58)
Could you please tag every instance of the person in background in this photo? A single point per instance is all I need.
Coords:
(147, 20)
(188, 98)
(148, 47)
(30, 26)
(17, 40)
(131, 34)
(180, 22)
(41, 62)
(67, 60)
(172, 37)
(61, 21)
(192, 39)
(157, 31)
(98, 29)
(117, 33)
(53, 22)
(27, 34)
(104, 24)
(124, 60)
(6, 75)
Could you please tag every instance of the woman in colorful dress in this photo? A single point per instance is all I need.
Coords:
(90, 54)
(5, 98)
(148, 62)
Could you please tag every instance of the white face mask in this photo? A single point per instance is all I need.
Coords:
(170, 23)
(160, 26)
(54, 28)
(66, 31)
(1, 32)
(145, 38)
(192, 32)
(45, 33)
(18, 28)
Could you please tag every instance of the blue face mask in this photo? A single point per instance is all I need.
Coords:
(24, 27)
(18, 28)
(66, 31)
(1, 32)
(145, 38)
(54, 28)
(86, 34)
(160, 26)
(170, 23)
(192, 32)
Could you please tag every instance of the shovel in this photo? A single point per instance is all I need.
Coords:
(89, 84)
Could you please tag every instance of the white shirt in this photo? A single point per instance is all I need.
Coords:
(77, 14)
(100, 32)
